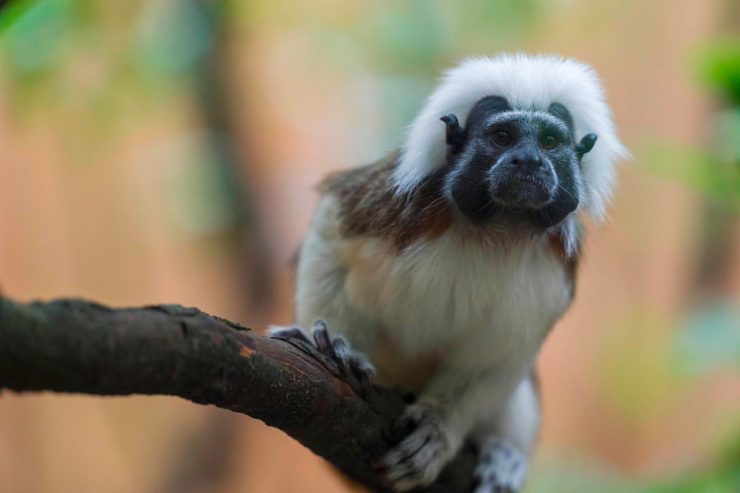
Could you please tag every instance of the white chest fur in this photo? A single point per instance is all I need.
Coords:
(481, 300)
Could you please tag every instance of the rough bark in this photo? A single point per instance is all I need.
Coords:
(73, 345)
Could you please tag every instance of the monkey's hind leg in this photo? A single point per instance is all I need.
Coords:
(501, 468)
(337, 349)
(502, 464)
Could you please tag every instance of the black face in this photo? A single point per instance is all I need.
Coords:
(505, 160)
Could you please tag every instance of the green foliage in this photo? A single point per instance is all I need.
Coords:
(703, 171)
(199, 193)
(640, 385)
(10, 13)
(171, 38)
(588, 475)
(570, 476)
(721, 477)
(413, 36)
(719, 68)
(708, 340)
(36, 35)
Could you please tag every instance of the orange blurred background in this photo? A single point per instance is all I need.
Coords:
(166, 151)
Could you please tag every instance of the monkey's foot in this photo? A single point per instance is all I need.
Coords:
(501, 468)
(422, 454)
(346, 360)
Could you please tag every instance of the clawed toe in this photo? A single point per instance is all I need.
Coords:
(322, 340)
(346, 361)
(290, 332)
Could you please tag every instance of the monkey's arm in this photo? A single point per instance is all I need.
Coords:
(455, 401)
(321, 278)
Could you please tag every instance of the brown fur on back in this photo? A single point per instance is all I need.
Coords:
(370, 207)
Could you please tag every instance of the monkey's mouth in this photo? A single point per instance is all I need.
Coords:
(522, 191)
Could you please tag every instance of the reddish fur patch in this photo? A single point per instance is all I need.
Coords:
(370, 207)
(569, 263)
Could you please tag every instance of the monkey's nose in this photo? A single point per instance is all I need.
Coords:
(527, 161)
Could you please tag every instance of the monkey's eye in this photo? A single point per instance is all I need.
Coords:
(502, 138)
(549, 142)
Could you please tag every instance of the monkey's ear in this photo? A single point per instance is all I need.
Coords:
(585, 145)
(455, 134)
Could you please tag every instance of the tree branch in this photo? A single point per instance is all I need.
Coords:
(78, 346)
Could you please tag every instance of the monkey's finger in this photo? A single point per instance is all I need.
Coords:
(292, 332)
(343, 354)
(363, 370)
(322, 339)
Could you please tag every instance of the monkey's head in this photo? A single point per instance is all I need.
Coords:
(525, 140)
(509, 160)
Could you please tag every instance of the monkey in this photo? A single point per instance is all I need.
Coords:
(441, 268)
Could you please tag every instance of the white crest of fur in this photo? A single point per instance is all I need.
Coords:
(528, 83)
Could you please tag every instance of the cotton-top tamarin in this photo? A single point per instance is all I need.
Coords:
(441, 268)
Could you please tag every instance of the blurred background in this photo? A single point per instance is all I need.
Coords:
(159, 151)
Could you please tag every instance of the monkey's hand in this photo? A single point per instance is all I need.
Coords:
(422, 453)
(344, 360)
